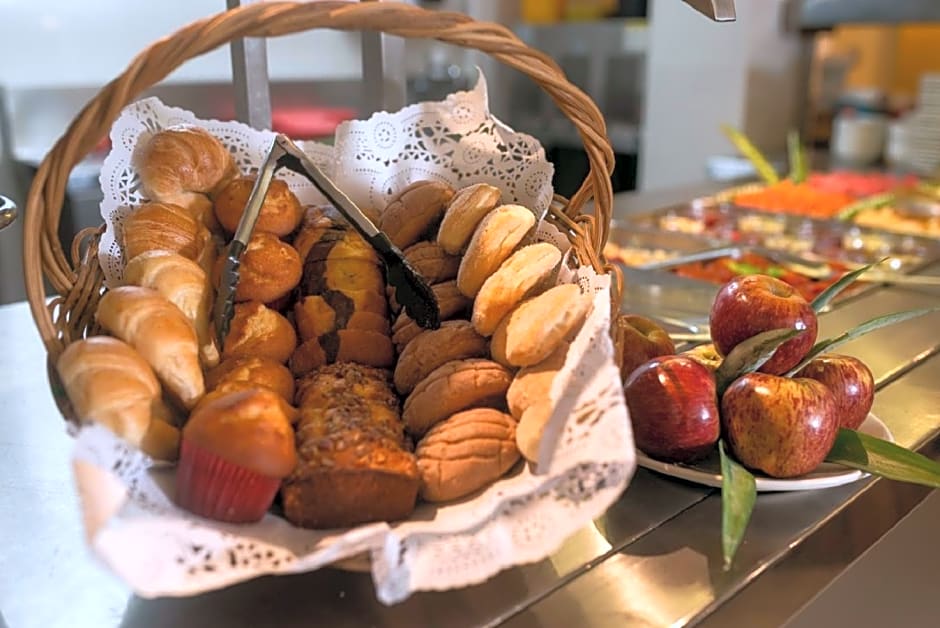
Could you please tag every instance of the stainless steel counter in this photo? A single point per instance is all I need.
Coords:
(652, 560)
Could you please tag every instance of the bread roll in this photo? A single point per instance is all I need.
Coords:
(492, 243)
(185, 165)
(281, 212)
(413, 211)
(161, 333)
(464, 213)
(450, 304)
(525, 271)
(269, 269)
(454, 340)
(257, 331)
(530, 402)
(185, 285)
(166, 227)
(257, 371)
(108, 382)
(537, 326)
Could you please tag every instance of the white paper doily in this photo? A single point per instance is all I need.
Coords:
(587, 455)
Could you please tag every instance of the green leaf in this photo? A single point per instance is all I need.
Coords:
(742, 268)
(797, 155)
(880, 457)
(872, 202)
(738, 494)
(826, 296)
(856, 332)
(750, 355)
(753, 155)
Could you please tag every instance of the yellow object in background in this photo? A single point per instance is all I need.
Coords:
(543, 11)
(580, 10)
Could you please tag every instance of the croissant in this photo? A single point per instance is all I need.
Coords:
(188, 166)
(109, 383)
(161, 333)
(185, 285)
(167, 227)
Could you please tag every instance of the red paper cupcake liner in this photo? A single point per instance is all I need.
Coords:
(212, 487)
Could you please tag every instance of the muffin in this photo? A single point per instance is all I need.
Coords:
(235, 451)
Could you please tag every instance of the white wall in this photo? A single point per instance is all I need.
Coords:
(701, 74)
(53, 43)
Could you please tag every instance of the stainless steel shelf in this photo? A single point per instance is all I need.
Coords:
(824, 14)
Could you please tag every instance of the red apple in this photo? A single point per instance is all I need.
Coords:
(851, 383)
(747, 306)
(643, 340)
(779, 425)
(674, 408)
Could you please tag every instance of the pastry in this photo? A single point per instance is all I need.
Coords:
(431, 262)
(353, 466)
(464, 213)
(280, 214)
(537, 326)
(260, 332)
(454, 340)
(161, 333)
(530, 401)
(109, 383)
(450, 304)
(185, 165)
(257, 371)
(494, 240)
(236, 448)
(314, 316)
(465, 453)
(414, 210)
(342, 244)
(319, 386)
(269, 269)
(166, 227)
(185, 285)
(342, 275)
(453, 387)
(346, 345)
(526, 270)
(316, 221)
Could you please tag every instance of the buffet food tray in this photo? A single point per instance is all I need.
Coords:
(833, 240)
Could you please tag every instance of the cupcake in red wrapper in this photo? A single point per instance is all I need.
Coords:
(236, 449)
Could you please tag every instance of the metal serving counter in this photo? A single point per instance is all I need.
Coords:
(653, 560)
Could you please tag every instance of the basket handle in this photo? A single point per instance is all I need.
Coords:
(42, 250)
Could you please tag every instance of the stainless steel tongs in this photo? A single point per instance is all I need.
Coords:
(411, 291)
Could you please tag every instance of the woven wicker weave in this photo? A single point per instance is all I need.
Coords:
(77, 279)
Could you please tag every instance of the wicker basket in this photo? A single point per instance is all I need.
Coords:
(78, 279)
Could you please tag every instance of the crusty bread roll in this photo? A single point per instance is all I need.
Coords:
(464, 213)
(185, 165)
(453, 387)
(109, 383)
(414, 210)
(280, 214)
(260, 332)
(494, 240)
(166, 227)
(466, 452)
(269, 269)
(257, 371)
(525, 271)
(161, 333)
(185, 285)
(454, 340)
(537, 326)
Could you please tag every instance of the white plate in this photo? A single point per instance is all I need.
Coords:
(708, 471)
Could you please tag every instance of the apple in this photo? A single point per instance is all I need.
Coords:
(749, 305)
(674, 408)
(851, 383)
(643, 340)
(779, 425)
(706, 355)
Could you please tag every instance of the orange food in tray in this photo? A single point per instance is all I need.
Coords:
(723, 269)
(795, 198)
